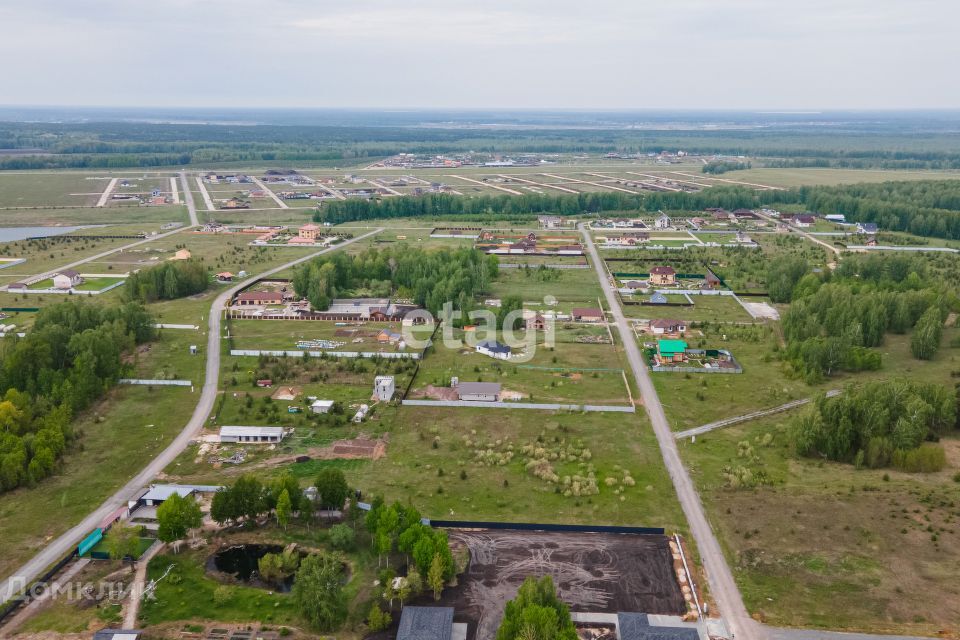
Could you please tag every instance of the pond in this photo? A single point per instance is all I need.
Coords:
(241, 561)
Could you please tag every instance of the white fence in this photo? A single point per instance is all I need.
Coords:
(158, 383)
(590, 408)
(400, 355)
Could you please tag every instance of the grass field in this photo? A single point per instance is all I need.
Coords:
(88, 284)
(705, 309)
(815, 176)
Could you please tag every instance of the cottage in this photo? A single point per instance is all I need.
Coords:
(536, 322)
(663, 326)
(662, 221)
(235, 203)
(251, 435)
(321, 406)
(871, 241)
(711, 281)
(550, 222)
(389, 337)
(587, 314)
(869, 228)
(383, 388)
(494, 349)
(67, 279)
(803, 220)
(310, 232)
(249, 298)
(479, 391)
(160, 493)
(672, 350)
(745, 214)
(224, 276)
(661, 276)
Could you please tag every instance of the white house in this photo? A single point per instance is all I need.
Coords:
(67, 279)
(662, 221)
(251, 435)
(321, 406)
(383, 388)
(479, 391)
(494, 349)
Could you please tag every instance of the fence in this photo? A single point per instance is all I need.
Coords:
(158, 383)
(529, 526)
(17, 600)
(329, 354)
(588, 408)
(736, 368)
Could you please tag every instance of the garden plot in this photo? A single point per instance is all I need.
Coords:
(593, 572)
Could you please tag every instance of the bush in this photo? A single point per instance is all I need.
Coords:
(928, 458)
(342, 537)
(378, 620)
(221, 595)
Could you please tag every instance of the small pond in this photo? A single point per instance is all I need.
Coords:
(241, 561)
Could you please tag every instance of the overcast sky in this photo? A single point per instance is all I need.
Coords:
(764, 54)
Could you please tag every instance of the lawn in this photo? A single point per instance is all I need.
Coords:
(825, 545)
(88, 284)
(705, 309)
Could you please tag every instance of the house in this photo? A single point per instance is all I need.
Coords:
(662, 221)
(67, 279)
(588, 314)
(310, 231)
(251, 435)
(658, 298)
(249, 298)
(17, 286)
(157, 494)
(224, 276)
(663, 276)
(389, 337)
(536, 322)
(744, 214)
(426, 623)
(361, 413)
(550, 222)
(266, 383)
(711, 281)
(117, 634)
(235, 203)
(494, 349)
(662, 326)
(628, 238)
(743, 238)
(321, 406)
(637, 626)
(835, 217)
(478, 391)
(383, 388)
(182, 254)
(803, 220)
(871, 241)
(869, 228)
(672, 350)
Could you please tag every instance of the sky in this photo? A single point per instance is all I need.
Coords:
(581, 54)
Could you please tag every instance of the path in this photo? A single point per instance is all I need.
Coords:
(592, 184)
(131, 608)
(801, 232)
(726, 422)
(102, 202)
(188, 198)
(174, 192)
(276, 198)
(702, 185)
(485, 184)
(59, 547)
(748, 184)
(723, 588)
(646, 184)
(204, 193)
(539, 184)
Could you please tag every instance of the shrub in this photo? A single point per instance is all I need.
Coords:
(342, 537)
(926, 459)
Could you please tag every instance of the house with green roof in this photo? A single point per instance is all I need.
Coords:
(672, 350)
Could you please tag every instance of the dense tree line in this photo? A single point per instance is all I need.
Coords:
(717, 167)
(167, 281)
(879, 424)
(428, 278)
(68, 360)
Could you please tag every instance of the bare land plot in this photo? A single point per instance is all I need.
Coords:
(708, 308)
(49, 189)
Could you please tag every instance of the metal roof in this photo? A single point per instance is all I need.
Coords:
(672, 346)
(163, 491)
(425, 623)
(275, 432)
(636, 626)
(479, 388)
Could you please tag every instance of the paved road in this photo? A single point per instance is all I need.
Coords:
(753, 415)
(723, 588)
(778, 633)
(59, 547)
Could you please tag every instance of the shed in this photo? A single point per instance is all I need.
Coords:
(158, 493)
(254, 435)
(479, 391)
(588, 314)
(321, 406)
(426, 623)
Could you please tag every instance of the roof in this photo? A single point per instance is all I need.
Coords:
(636, 626)
(587, 311)
(322, 403)
(663, 270)
(663, 323)
(671, 346)
(310, 227)
(163, 491)
(868, 227)
(117, 634)
(478, 388)
(425, 623)
(273, 432)
(493, 345)
(70, 273)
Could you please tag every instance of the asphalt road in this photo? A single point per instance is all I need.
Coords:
(59, 547)
(723, 588)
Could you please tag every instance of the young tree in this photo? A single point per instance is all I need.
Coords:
(287, 482)
(176, 516)
(318, 592)
(342, 537)
(537, 613)
(283, 509)
(925, 339)
(332, 489)
(435, 576)
(123, 542)
(378, 620)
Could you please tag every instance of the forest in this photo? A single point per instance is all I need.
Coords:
(430, 279)
(880, 424)
(167, 281)
(70, 358)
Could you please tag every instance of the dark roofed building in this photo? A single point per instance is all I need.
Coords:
(425, 623)
(636, 626)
